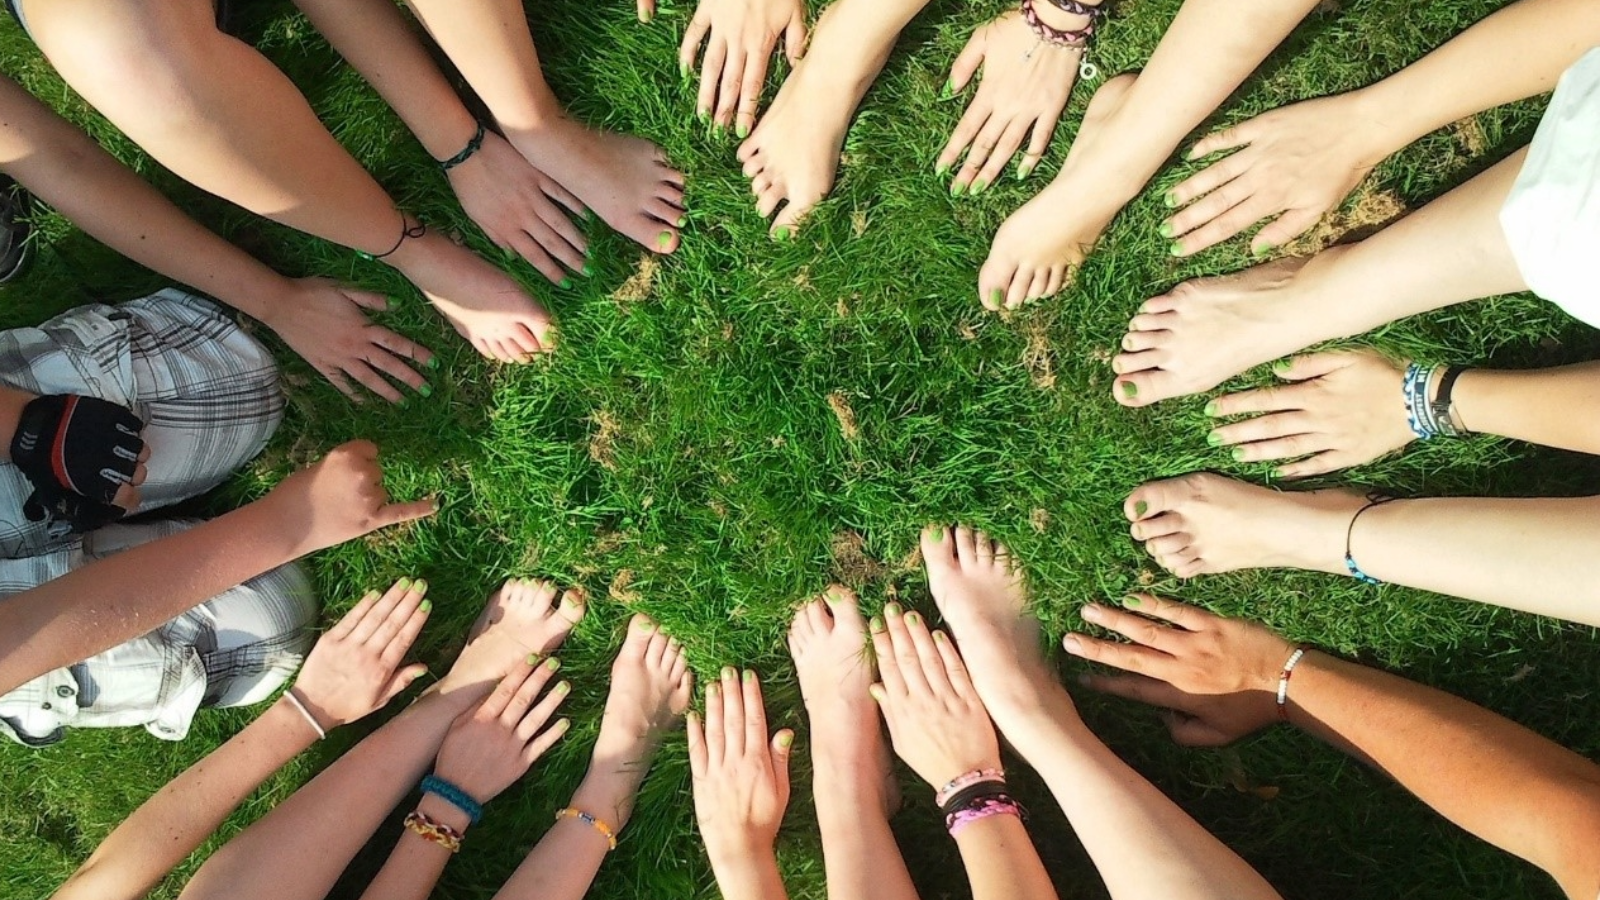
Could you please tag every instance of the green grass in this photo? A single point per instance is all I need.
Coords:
(724, 489)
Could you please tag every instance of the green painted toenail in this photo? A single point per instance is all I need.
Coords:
(996, 296)
(1129, 389)
(1165, 230)
(702, 115)
(1130, 600)
(433, 362)
(1213, 409)
(1176, 249)
(682, 221)
(1140, 508)
(782, 234)
(664, 240)
(1171, 199)
(426, 606)
(979, 187)
(566, 284)
(949, 89)
(743, 131)
(588, 270)
(957, 189)
(426, 390)
(1214, 439)
(1238, 454)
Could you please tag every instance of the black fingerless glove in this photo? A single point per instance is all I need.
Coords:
(78, 452)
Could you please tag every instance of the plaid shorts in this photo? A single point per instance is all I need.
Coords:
(208, 394)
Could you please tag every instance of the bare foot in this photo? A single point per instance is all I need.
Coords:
(624, 179)
(1203, 332)
(793, 156)
(1202, 524)
(520, 620)
(651, 686)
(1038, 247)
(484, 304)
(982, 597)
(828, 640)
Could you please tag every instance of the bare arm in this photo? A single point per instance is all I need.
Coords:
(1554, 407)
(123, 596)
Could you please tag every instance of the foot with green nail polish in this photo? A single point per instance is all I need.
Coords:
(651, 687)
(1205, 331)
(1021, 92)
(523, 617)
(1203, 524)
(1037, 250)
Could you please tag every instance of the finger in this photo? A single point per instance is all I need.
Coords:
(699, 760)
(782, 746)
(1009, 143)
(749, 99)
(1285, 228)
(366, 299)
(400, 345)
(699, 26)
(733, 713)
(716, 738)
(536, 717)
(888, 666)
(646, 10)
(1258, 400)
(140, 473)
(794, 38)
(982, 146)
(929, 661)
(904, 650)
(347, 625)
(1226, 139)
(1183, 615)
(1039, 140)
(1250, 211)
(1127, 657)
(400, 644)
(1202, 184)
(545, 741)
(967, 62)
(710, 73)
(1316, 365)
(955, 668)
(364, 375)
(381, 610)
(1286, 447)
(1140, 688)
(496, 702)
(1191, 731)
(391, 624)
(127, 497)
(402, 680)
(971, 123)
(1261, 428)
(728, 91)
(517, 707)
(1138, 629)
(396, 368)
(395, 513)
(755, 712)
(1318, 464)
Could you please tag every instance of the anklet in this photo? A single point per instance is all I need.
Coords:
(454, 796)
(407, 230)
(594, 822)
(1350, 560)
(1283, 681)
(423, 826)
(473, 146)
(1067, 39)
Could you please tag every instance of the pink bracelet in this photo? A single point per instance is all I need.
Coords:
(967, 780)
(980, 810)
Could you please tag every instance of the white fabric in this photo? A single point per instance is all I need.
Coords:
(1552, 217)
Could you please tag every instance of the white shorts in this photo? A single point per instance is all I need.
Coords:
(1552, 217)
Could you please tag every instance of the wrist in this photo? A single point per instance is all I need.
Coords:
(1061, 20)
(737, 850)
(1380, 119)
(444, 812)
(606, 797)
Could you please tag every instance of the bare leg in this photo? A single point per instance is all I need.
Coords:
(1204, 332)
(793, 155)
(851, 759)
(1537, 555)
(297, 851)
(625, 180)
(220, 115)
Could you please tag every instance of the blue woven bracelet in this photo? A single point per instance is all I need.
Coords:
(455, 796)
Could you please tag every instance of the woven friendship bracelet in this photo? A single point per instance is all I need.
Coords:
(1283, 681)
(1066, 39)
(422, 825)
(454, 796)
(594, 822)
(467, 152)
(966, 779)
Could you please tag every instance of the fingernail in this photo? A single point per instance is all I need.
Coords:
(877, 624)
(949, 89)
(403, 584)
(1282, 366)
(786, 740)
(1261, 250)
(426, 606)
(426, 390)
(1024, 170)
(938, 637)
(892, 610)
(913, 619)
(1176, 249)
(1165, 230)
(1091, 612)
(1129, 389)
(682, 221)
(433, 362)
(941, 170)
(562, 688)
(712, 688)
(782, 234)
(957, 189)
(729, 673)
(554, 664)
(743, 131)
(1072, 645)
(664, 240)
(1214, 439)
(1171, 199)
(979, 186)
(588, 270)
(683, 71)
(1213, 409)
(703, 116)
(1140, 508)
(402, 402)
(1238, 454)
(749, 677)
(419, 586)
(566, 284)
(533, 659)
(876, 693)
(1130, 600)
(561, 726)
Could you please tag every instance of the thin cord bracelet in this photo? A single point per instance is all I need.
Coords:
(467, 152)
(1349, 558)
(606, 831)
(311, 720)
(1079, 39)
(407, 230)
(1283, 681)
(454, 796)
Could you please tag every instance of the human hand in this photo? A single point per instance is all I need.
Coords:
(522, 209)
(354, 668)
(1296, 163)
(339, 498)
(1338, 410)
(493, 745)
(742, 35)
(1219, 676)
(741, 783)
(1025, 87)
(323, 322)
(936, 721)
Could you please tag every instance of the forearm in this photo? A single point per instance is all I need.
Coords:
(1488, 775)
(373, 36)
(1207, 52)
(414, 867)
(1001, 861)
(1553, 407)
(563, 864)
(1538, 555)
(1117, 814)
(174, 822)
(1526, 45)
(66, 169)
(118, 598)
(747, 873)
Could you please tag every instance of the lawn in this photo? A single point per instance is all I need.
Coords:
(728, 430)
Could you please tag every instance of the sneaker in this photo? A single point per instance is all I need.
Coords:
(16, 205)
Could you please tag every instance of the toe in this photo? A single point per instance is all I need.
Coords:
(1135, 340)
(641, 631)
(994, 279)
(938, 548)
(1143, 361)
(1161, 525)
(656, 654)
(573, 605)
(767, 201)
(1017, 290)
(665, 240)
(665, 212)
(985, 546)
(1158, 497)
(966, 545)
(787, 224)
(846, 609)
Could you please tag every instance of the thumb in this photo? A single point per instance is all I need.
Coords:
(402, 680)
(782, 746)
(1315, 365)
(794, 39)
(395, 513)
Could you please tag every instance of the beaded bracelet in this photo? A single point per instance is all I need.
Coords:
(982, 809)
(427, 828)
(1349, 557)
(594, 822)
(1283, 681)
(943, 795)
(1066, 39)
(473, 146)
(454, 796)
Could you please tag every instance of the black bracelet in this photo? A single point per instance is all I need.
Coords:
(1442, 402)
(473, 146)
(971, 793)
(407, 230)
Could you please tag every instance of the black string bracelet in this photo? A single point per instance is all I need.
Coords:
(472, 147)
(406, 231)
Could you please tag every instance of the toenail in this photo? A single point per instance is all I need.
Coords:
(1238, 454)
(979, 186)
(782, 234)
(426, 606)
(664, 239)
(1140, 508)
(912, 618)
(1171, 199)
(1213, 408)
(1131, 600)
(588, 270)
(1214, 439)
(433, 362)
(553, 664)
(1165, 230)
(957, 189)
(1129, 389)
(647, 625)
(941, 170)
(566, 284)
(996, 296)
(426, 390)
(1176, 249)
(949, 89)
(682, 221)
